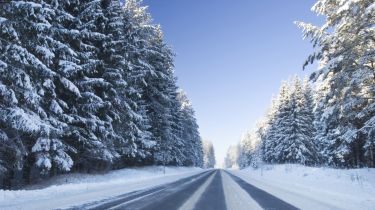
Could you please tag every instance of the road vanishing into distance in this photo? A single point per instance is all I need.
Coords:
(210, 190)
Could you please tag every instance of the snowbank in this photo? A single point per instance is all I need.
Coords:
(75, 189)
(315, 187)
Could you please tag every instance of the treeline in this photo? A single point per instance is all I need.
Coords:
(332, 123)
(88, 86)
(286, 134)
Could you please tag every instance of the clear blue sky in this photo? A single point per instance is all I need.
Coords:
(232, 56)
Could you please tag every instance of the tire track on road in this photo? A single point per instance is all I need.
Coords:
(139, 196)
(263, 198)
(213, 198)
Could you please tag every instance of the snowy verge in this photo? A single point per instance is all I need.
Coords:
(76, 189)
(315, 187)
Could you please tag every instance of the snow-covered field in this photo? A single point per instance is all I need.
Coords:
(76, 189)
(314, 187)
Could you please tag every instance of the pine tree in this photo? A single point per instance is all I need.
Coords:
(179, 144)
(208, 154)
(113, 51)
(193, 150)
(82, 85)
(287, 136)
(160, 94)
(87, 86)
(250, 149)
(325, 134)
(295, 128)
(31, 113)
(232, 157)
(138, 32)
(276, 115)
(346, 56)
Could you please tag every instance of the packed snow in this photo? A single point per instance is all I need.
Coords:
(315, 187)
(237, 198)
(76, 189)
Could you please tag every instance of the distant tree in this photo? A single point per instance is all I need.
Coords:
(208, 155)
(250, 149)
(232, 157)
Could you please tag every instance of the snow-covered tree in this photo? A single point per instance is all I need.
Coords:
(345, 48)
(86, 86)
(31, 114)
(276, 112)
(160, 92)
(232, 157)
(138, 33)
(148, 64)
(250, 149)
(295, 127)
(193, 150)
(208, 154)
(288, 134)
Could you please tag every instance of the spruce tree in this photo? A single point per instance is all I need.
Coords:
(138, 31)
(193, 150)
(277, 113)
(287, 136)
(87, 86)
(295, 128)
(160, 94)
(345, 49)
(208, 154)
(32, 114)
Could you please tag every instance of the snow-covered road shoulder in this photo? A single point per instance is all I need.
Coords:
(315, 187)
(76, 189)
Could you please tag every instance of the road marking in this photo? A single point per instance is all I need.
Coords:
(135, 199)
(235, 197)
(144, 199)
(213, 197)
(192, 201)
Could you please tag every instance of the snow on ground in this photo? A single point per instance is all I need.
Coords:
(315, 187)
(76, 189)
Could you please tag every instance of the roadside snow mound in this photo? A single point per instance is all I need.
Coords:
(75, 189)
(115, 176)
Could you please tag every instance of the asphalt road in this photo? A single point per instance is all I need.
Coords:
(211, 190)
